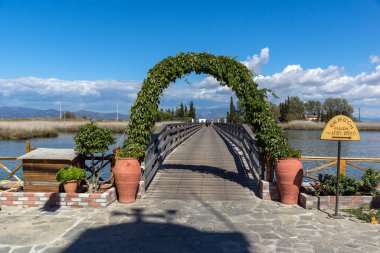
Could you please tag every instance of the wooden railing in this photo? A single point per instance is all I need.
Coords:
(11, 172)
(333, 161)
(242, 136)
(164, 140)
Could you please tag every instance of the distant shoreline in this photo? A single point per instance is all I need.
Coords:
(23, 129)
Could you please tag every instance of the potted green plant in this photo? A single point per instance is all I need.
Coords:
(91, 141)
(69, 177)
(127, 171)
(289, 173)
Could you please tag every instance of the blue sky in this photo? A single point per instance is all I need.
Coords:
(94, 54)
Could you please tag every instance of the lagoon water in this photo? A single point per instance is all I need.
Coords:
(307, 141)
(310, 145)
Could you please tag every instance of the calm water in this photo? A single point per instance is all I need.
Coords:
(310, 145)
(307, 141)
(17, 148)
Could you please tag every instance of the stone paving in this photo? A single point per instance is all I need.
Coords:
(149, 225)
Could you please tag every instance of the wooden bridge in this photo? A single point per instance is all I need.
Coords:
(218, 162)
(203, 167)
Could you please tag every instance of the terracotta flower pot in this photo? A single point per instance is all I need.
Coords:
(127, 177)
(70, 186)
(289, 174)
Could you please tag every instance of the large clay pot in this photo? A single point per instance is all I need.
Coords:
(127, 177)
(289, 174)
(70, 186)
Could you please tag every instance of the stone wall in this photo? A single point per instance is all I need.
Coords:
(41, 199)
(328, 202)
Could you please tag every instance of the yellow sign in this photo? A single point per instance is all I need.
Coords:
(340, 128)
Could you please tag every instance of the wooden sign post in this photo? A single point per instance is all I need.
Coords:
(340, 128)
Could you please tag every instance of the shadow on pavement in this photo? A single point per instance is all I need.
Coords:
(140, 235)
(52, 204)
(238, 178)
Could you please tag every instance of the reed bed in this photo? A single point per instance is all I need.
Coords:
(302, 125)
(368, 126)
(26, 129)
(21, 131)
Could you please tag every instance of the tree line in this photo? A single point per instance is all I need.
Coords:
(181, 112)
(236, 114)
(293, 108)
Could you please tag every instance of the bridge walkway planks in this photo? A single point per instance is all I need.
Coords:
(204, 168)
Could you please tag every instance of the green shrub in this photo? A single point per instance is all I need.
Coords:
(132, 150)
(70, 173)
(365, 213)
(370, 181)
(89, 141)
(327, 185)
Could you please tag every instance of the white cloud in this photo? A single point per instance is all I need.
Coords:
(217, 94)
(54, 86)
(255, 62)
(362, 90)
(208, 82)
(44, 93)
(319, 83)
(374, 59)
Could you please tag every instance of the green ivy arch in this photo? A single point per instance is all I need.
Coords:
(227, 71)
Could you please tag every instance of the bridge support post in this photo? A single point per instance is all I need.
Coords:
(342, 167)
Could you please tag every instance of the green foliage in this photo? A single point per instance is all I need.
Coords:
(231, 116)
(371, 180)
(192, 113)
(292, 109)
(365, 213)
(132, 150)
(164, 115)
(314, 107)
(91, 139)
(275, 110)
(327, 185)
(336, 106)
(229, 72)
(70, 173)
(349, 185)
(181, 111)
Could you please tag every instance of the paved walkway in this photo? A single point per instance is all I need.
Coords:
(202, 168)
(150, 225)
(205, 218)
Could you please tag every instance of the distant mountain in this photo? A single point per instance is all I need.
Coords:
(29, 113)
(99, 115)
(211, 113)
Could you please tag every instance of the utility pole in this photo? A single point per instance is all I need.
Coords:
(60, 110)
(359, 114)
(117, 112)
